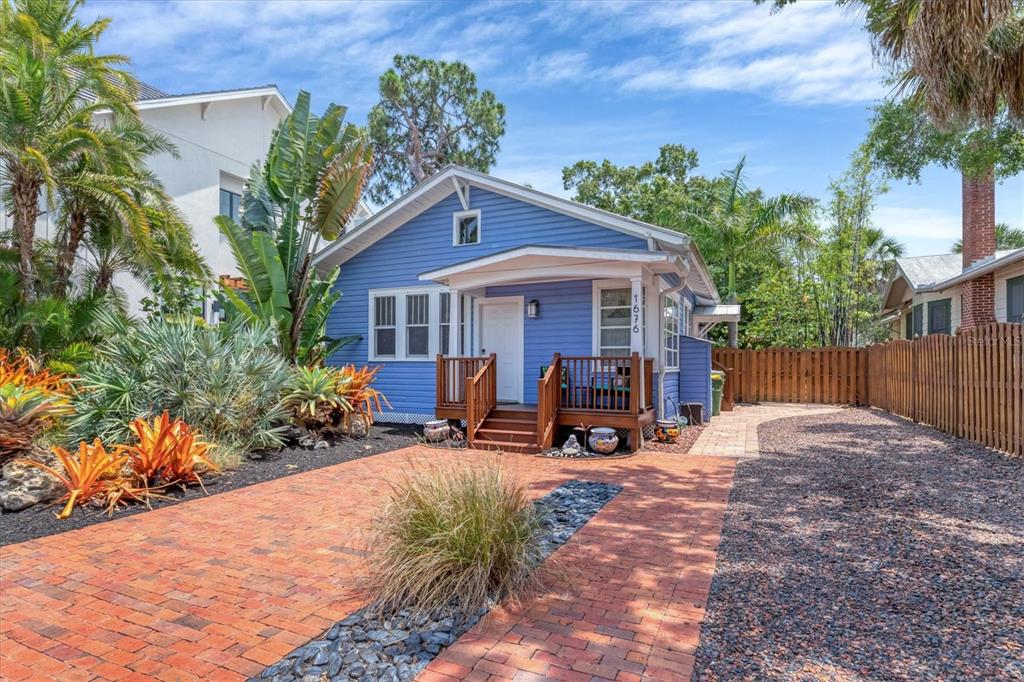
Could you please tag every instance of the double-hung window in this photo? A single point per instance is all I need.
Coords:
(1015, 299)
(613, 333)
(670, 333)
(411, 323)
(384, 328)
(417, 325)
(613, 315)
(940, 320)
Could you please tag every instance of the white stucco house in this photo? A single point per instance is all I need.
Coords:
(219, 135)
(925, 294)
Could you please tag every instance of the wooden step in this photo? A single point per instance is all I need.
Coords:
(510, 424)
(488, 432)
(505, 446)
(515, 413)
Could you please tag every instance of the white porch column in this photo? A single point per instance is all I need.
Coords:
(454, 318)
(636, 319)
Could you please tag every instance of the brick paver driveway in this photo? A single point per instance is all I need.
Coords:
(218, 588)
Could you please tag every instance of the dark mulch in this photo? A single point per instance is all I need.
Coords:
(863, 546)
(39, 521)
(687, 437)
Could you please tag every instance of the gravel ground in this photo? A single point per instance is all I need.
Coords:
(861, 546)
(687, 437)
(39, 521)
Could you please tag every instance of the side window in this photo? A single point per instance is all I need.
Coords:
(1015, 299)
(940, 317)
(909, 319)
(230, 203)
(918, 320)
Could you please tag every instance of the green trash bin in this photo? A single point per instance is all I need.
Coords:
(717, 384)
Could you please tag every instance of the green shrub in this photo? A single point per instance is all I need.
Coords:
(454, 538)
(227, 381)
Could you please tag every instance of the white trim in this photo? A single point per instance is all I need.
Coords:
(462, 191)
(434, 323)
(478, 303)
(378, 226)
(608, 256)
(678, 316)
(458, 215)
(201, 98)
(595, 310)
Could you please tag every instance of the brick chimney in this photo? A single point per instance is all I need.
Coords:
(979, 242)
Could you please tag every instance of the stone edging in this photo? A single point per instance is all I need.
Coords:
(366, 648)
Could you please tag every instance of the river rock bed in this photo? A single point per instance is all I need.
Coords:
(369, 648)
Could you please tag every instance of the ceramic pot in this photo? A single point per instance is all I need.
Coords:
(603, 440)
(436, 430)
(666, 430)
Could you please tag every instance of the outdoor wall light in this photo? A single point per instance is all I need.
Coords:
(533, 308)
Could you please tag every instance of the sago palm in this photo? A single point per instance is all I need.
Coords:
(305, 192)
(734, 225)
(52, 84)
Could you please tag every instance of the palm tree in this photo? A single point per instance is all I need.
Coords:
(115, 195)
(52, 84)
(1006, 238)
(734, 226)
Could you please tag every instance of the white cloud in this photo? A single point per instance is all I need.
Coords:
(564, 65)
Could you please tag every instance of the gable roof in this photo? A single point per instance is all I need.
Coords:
(270, 92)
(442, 184)
(921, 274)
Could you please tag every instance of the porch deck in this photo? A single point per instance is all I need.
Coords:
(612, 391)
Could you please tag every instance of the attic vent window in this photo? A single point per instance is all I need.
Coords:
(466, 228)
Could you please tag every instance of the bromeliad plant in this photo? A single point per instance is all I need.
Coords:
(316, 399)
(307, 190)
(94, 472)
(356, 387)
(168, 452)
(30, 401)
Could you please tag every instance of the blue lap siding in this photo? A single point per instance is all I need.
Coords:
(425, 243)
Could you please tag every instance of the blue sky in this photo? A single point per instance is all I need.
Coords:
(581, 80)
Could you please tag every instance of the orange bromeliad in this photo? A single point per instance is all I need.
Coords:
(85, 476)
(167, 450)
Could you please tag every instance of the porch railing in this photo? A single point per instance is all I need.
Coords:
(549, 389)
(607, 383)
(481, 395)
(452, 373)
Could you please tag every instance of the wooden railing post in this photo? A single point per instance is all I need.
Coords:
(636, 384)
(441, 390)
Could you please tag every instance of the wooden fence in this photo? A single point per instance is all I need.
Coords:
(970, 385)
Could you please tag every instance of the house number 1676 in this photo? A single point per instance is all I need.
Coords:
(636, 313)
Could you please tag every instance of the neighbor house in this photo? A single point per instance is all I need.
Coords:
(925, 294)
(219, 135)
(519, 312)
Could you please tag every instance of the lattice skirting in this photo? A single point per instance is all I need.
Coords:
(402, 418)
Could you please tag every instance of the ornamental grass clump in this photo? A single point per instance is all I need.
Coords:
(451, 540)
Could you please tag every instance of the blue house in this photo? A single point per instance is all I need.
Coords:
(519, 312)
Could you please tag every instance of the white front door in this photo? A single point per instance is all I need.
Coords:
(501, 333)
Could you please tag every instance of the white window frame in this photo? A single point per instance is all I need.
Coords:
(475, 212)
(687, 319)
(677, 317)
(401, 341)
(599, 286)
